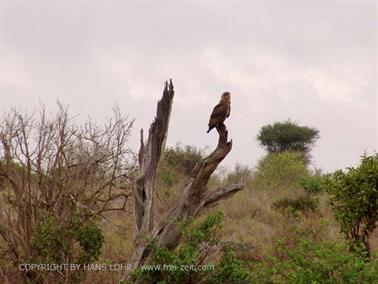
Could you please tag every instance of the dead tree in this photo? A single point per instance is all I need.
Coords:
(54, 169)
(193, 198)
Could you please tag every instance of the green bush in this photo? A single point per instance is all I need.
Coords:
(167, 177)
(176, 165)
(312, 183)
(282, 170)
(52, 240)
(48, 241)
(183, 158)
(90, 238)
(230, 270)
(354, 200)
(301, 203)
(167, 266)
(315, 263)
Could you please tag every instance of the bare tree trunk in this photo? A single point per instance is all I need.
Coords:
(193, 198)
(148, 158)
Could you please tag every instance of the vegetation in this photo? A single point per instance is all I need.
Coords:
(313, 183)
(53, 241)
(300, 203)
(65, 198)
(175, 166)
(59, 179)
(279, 171)
(354, 200)
(308, 262)
(183, 158)
(288, 136)
(307, 199)
(187, 264)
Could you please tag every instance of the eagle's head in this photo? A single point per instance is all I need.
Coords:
(226, 96)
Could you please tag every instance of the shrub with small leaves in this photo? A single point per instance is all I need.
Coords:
(280, 170)
(184, 159)
(52, 240)
(354, 200)
(230, 270)
(313, 183)
(309, 262)
(301, 203)
(180, 265)
(48, 241)
(90, 238)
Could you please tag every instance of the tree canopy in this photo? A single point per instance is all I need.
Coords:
(287, 136)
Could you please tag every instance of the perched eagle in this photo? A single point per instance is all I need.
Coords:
(221, 111)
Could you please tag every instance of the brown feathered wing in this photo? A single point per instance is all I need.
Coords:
(219, 114)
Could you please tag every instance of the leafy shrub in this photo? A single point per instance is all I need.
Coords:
(230, 270)
(167, 177)
(76, 240)
(184, 159)
(354, 200)
(315, 263)
(52, 239)
(282, 170)
(48, 241)
(90, 238)
(301, 203)
(176, 164)
(198, 237)
(312, 183)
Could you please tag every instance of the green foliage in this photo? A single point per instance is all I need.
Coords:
(183, 159)
(288, 136)
(48, 240)
(354, 200)
(302, 203)
(230, 271)
(282, 170)
(177, 163)
(315, 263)
(203, 231)
(167, 177)
(52, 240)
(90, 238)
(184, 264)
(306, 201)
(312, 183)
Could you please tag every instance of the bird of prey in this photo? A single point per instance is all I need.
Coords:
(220, 112)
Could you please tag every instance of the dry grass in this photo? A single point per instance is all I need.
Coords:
(249, 219)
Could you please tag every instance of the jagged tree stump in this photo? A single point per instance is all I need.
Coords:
(193, 198)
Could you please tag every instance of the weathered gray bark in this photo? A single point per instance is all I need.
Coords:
(193, 198)
(148, 158)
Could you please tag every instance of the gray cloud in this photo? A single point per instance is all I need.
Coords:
(313, 63)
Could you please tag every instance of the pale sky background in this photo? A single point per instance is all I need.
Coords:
(314, 62)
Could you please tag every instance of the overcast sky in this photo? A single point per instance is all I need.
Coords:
(312, 62)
